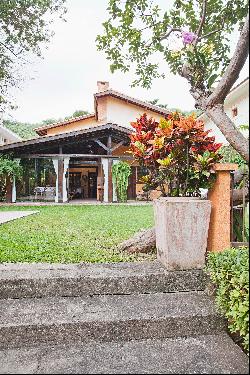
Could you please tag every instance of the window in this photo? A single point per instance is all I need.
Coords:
(235, 111)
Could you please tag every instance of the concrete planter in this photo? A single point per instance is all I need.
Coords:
(181, 226)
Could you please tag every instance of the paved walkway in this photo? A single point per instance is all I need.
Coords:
(6, 216)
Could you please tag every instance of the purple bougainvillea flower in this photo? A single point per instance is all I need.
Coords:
(188, 37)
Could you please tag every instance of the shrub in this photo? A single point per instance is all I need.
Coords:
(121, 172)
(178, 153)
(229, 271)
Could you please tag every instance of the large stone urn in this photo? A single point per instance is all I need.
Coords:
(181, 226)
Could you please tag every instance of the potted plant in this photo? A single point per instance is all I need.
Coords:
(179, 155)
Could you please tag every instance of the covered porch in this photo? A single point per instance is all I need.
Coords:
(72, 166)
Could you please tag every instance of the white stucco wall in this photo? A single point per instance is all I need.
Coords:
(122, 113)
(239, 97)
(7, 136)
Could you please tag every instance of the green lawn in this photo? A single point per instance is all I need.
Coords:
(71, 234)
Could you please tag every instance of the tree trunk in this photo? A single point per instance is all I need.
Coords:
(228, 129)
(142, 242)
(238, 196)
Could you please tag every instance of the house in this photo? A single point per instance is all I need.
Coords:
(7, 136)
(80, 152)
(236, 107)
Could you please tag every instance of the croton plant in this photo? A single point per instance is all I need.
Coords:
(178, 153)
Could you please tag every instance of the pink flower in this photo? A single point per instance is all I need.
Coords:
(188, 37)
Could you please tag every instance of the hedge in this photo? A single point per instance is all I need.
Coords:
(229, 271)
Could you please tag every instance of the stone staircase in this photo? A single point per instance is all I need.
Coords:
(111, 319)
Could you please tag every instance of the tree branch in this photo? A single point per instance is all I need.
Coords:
(9, 49)
(203, 17)
(227, 127)
(211, 33)
(233, 70)
(170, 31)
(13, 53)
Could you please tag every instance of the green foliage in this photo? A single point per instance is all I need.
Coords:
(9, 167)
(229, 270)
(55, 234)
(184, 113)
(25, 29)
(24, 130)
(230, 155)
(79, 112)
(121, 172)
(137, 32)
(178, 153)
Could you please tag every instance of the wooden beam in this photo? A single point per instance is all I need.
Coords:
(101, 144)
(76, 156)
(117, 146)
(109, 145)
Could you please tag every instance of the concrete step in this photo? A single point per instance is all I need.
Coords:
(49, 280)
(211, 354)
(107, 318)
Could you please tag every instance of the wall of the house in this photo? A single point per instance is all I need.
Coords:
(77, 125)
(121, 113)
(238, 98)
(3, 140)
(110, 110)
(7, 137)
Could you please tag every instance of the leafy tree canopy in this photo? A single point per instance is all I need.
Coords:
(138, 29)
(26, 130)
(24, 29)
(184, 113)
(194, 38)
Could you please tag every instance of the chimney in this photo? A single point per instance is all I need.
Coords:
(102, 86)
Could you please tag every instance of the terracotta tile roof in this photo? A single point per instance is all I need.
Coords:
(115, 94)
(129, 99)
(42, 130)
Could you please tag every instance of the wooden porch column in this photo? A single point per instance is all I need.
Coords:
(60, 180)
(219, 234)
(8, 190)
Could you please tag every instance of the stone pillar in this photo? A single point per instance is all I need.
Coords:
(105, 166)
(13, 199)
(55, 163)
(219, 234)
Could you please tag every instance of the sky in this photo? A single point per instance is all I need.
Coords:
(66, 78)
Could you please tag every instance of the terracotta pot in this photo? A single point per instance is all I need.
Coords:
(181, 226)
